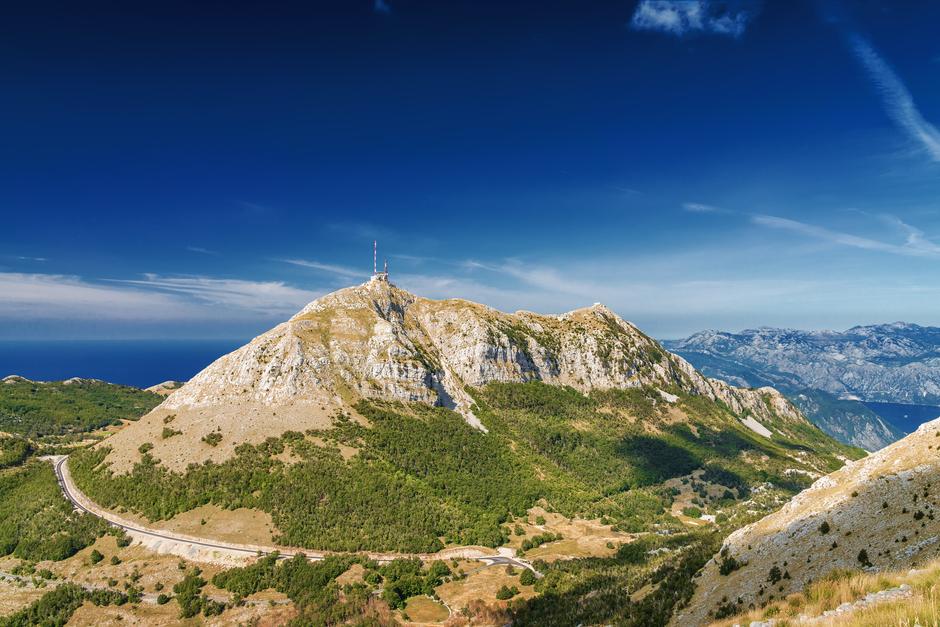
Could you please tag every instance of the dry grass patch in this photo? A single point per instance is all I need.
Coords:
(580, 538)
(850, 586)
(238, 526)
(240, 422)
(154, 568)
(14, 598)
(424, 610)
(351, 576)
(481, 584)
(143, 614)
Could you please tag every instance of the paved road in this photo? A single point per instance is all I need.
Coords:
(71, 493)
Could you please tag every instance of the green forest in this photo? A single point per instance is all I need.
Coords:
(36, 520)
(36, 409)
(423, 478)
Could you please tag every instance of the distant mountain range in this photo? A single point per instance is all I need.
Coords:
(828, 373)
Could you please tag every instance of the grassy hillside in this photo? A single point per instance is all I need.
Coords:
(421, 477)
(37, 408)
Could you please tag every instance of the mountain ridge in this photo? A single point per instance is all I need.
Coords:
(893, 362)
(376, 341)
(876, 513)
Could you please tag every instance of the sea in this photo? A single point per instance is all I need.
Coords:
(903, 416)
(140, 363)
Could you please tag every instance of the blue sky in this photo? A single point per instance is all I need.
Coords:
(179, 171)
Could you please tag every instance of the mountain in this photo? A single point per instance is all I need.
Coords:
(376, 341)
(897, 363)
(378, 420)
(40, 408)
(878, 513)
(166, 388)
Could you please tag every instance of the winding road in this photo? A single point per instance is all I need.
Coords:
(193, 547)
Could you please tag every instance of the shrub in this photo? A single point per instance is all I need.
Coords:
(863, 558)
(774, 575)
(212, 439)
(95, 556)
(163, 599)
(692, 512)
(169, 433)
(115, 560)
(506, 592)
(824, 527)
(188, 592)
(527, 578)
(728, 565)
(145, 448)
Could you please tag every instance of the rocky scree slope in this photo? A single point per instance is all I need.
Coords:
(878, 513)
(376, 341)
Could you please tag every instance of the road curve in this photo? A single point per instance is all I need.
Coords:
(84, 504)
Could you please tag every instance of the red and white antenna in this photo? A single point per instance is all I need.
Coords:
(375, 256)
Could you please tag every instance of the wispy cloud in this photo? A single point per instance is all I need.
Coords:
(684, 17)
(77, 303)
(697, 207)
(25, 258)
(343, 271)
(201, 250)
(56, 296)
(915, 244)
(269, 297)
(898, 101)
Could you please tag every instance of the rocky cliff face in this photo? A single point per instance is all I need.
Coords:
(382, 342)
(881, 512)
(377, 341)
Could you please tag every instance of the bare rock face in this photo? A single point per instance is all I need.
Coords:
(377, 341)
(881, 512)
(382, 342)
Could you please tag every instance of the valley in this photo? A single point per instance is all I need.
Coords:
(867, 386)
(418, 458)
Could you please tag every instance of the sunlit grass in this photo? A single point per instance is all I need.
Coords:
(844, 586)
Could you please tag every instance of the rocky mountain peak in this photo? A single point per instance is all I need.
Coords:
(378, 341)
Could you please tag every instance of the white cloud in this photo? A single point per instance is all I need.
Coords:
(259, 297)
(329, 268)
(683, 17)
(56, 296)
(916, 243)
(898, 101)
(154, 298)
(697, 207)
